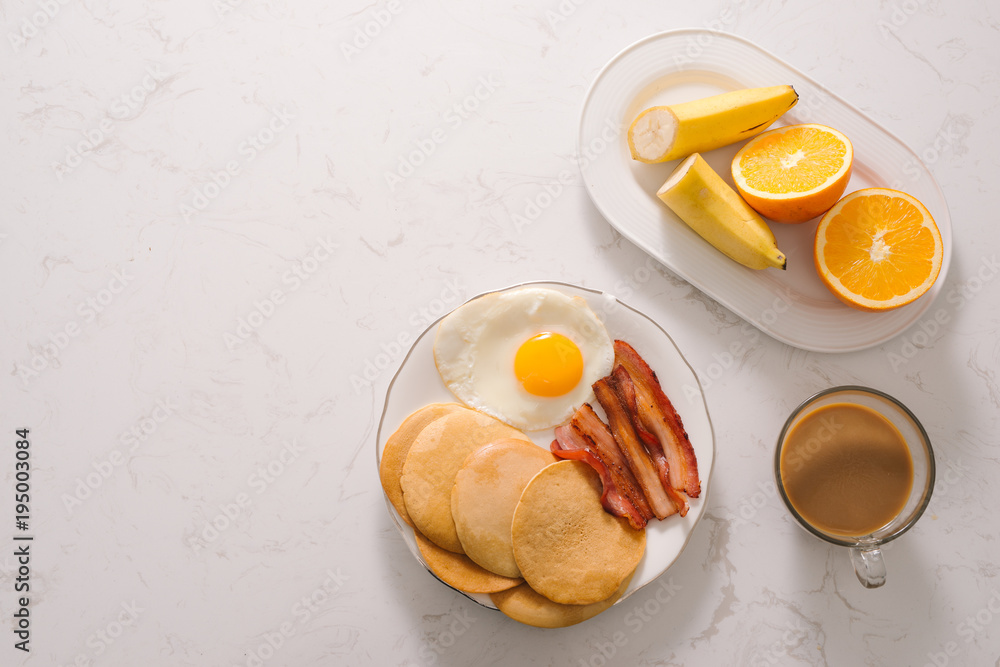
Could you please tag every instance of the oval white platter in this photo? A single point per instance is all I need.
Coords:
(792, 306)
(417, 383)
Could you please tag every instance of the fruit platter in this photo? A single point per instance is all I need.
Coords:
(733, 99)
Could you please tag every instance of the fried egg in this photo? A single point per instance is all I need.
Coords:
(526, 356)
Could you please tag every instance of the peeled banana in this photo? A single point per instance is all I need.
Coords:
(665, 133)
(718, 214)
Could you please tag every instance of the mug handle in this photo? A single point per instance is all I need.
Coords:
(868, 565)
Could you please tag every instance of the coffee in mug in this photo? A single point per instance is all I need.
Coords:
(855, 468)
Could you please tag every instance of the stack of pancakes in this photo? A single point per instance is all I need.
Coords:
(494, 513)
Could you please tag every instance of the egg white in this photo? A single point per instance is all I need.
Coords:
(475, 346)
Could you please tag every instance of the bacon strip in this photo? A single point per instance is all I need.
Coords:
(596, 432)
(638, 460)
(571, 445)
(657, 415)
(623, 385)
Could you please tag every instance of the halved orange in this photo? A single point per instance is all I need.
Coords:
(878, 249)
(794, 173)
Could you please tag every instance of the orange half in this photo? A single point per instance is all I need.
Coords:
(794, 173)
(878, 249)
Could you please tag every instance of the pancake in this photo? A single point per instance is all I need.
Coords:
(524, 605)
(486, 492)
(566, 546)
(398, 445)
(434, 459)
(458, 571)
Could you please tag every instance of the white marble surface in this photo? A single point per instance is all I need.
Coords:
(204, 263)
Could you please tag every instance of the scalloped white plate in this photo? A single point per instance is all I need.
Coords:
(417, 383)
(792, 306)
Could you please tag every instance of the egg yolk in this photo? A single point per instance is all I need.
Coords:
(548, 364)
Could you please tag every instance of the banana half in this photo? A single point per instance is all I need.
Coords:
(664, 133)
(718, 214)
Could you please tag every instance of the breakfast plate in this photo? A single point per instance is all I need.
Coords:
(792, 306)
(417, 383)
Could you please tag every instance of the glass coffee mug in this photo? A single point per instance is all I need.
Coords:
(855, 468)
